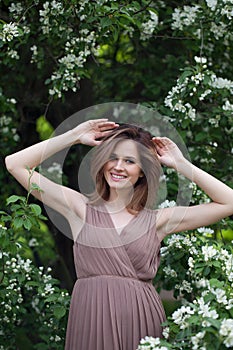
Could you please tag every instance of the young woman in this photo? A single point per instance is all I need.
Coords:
(116, 232)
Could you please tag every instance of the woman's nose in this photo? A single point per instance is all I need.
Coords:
(119, 164)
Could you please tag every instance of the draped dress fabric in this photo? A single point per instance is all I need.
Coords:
(114, 303)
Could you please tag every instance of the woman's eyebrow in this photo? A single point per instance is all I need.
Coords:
(130, 158)
(126, 157)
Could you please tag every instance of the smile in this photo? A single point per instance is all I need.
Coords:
(117, 177)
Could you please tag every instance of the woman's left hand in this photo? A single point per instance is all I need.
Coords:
(168, 152)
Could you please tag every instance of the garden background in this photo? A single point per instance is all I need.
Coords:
(59, 57)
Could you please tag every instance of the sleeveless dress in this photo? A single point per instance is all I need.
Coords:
(114, 303)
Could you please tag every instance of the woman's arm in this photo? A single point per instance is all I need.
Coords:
(178, 219)
(60, 198)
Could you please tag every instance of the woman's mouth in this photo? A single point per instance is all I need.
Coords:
(117, 177)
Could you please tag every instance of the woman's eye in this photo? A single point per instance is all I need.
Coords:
(129, 161)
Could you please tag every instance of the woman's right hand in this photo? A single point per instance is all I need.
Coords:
(90, 131)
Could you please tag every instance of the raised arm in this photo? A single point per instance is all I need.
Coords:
(60, 198)
(178, 219)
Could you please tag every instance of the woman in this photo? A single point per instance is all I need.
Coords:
(116, 246)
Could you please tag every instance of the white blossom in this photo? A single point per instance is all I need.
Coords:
(16, 8)
(149, 26)
(227, 106)
(219, 30)
(33, 242)
(184, 286)
(34, 50)
(205, 230)
(182, 315)
(212, 4)
(227, 11)
(209, 252)
(13, 54)
(196, 340)
(185, 17)
(201, 60)
(204, 94)
(191, 262)
(9, 31)
(166, 332)
(205, 311)
(221, 83)
(169, 271)
(167, 204)
(226, 330)
(221, 296)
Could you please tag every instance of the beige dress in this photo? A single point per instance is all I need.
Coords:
(114, 303)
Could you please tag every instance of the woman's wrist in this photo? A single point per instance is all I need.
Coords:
(71, 137)
(184, 167)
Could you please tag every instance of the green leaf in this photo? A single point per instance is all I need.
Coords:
(213, 322)
(14, 198)
(185, 74)
(44, 128)
(59, 311)
(27, 224)
(231, 312)
(36, 209)
(214, 282)
(18, 222)
(199, 270)
(105, 22)
(33, 284)
(125, 16)
(35, 187)
(206, 271)
(200, 136)
(51, 298)
(115, 34)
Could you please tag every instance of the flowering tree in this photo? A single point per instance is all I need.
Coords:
(179, 61)
(201, 272)
(33, 307)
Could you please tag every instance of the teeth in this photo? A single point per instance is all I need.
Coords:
(118, 176)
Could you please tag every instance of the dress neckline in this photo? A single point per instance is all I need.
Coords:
(121, 229)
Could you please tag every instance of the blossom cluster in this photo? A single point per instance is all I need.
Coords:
(9, 31)
(72, 63)
(51, 9)
(149, 27)
(184, 17)
(190, 17)
(150, 343)
(28, 290)
(79, 38)
(6, 127)
(202, 83)
(200, 267)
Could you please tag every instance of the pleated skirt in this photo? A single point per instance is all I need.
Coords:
(112, 313)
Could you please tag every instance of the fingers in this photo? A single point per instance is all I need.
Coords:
(161, 140)
(107, 125)
(158, 142)
(103, 124)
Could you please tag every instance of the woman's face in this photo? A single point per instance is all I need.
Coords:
(123, 168)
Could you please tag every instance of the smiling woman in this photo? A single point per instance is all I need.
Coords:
(117, 249)
(127, 158)
(123, 167)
